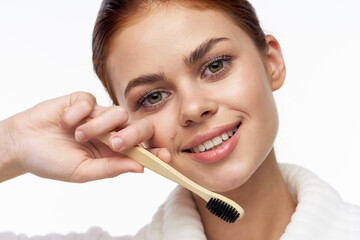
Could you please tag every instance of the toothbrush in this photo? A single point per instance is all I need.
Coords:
(222, 207)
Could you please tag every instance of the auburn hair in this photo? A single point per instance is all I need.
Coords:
(116, 14)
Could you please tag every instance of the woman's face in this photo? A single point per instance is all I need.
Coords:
(202, 83)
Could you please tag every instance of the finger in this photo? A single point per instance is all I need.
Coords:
(95, 169)
(104, 123)
(81, 106)
(135, 133)
(162, 153)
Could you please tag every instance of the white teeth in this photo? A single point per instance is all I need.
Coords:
(208, 144)
(224, 136)
(201, 147)
(216, 140)
(213, 142)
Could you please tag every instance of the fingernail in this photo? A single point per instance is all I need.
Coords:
(80, 136)
(117, 143)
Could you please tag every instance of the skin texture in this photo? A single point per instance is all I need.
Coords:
(41, 141)
(196, 101)
(242, 94)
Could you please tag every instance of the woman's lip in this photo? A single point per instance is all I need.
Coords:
(210, 135)
(219, 153)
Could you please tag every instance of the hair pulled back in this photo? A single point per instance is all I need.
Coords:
(115, 14)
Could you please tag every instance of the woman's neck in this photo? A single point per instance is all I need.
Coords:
(267, 203)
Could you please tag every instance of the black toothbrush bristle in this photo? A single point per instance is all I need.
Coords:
(223, 210)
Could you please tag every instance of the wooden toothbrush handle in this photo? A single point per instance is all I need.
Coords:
(152, 162)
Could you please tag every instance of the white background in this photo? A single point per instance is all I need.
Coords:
(45, 52)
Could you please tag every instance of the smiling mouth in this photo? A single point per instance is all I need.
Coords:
(213, 143)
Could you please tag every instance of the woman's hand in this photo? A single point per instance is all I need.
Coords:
(52, 143)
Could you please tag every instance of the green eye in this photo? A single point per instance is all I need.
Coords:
(216, 66)
(154, 98)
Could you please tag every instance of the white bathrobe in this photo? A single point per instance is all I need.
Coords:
(320, 215)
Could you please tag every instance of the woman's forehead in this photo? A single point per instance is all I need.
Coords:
(170, 31)
(165, 35)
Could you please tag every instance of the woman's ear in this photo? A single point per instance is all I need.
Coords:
(275, 63)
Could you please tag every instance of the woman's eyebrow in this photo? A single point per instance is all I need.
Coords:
(201, 50)
(194, 56)
(144, 79)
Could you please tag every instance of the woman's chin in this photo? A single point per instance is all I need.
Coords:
(224, 186)
(225, 181)
(221, 177)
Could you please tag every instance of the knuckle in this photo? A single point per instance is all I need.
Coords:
(90, 97)
(86, 104)
(120, 111)
(83, 94)
(76, 94)
(82, 97)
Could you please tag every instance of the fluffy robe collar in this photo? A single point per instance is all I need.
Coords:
(320, 213)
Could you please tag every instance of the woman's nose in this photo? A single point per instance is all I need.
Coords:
(196, 107)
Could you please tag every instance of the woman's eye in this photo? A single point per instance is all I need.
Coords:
(154, 98)
(216, 67)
